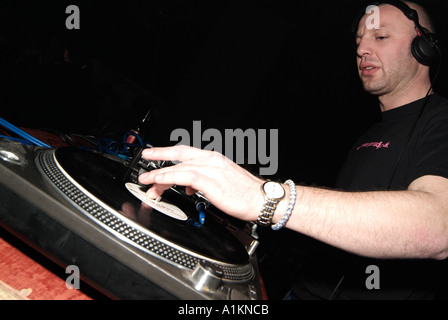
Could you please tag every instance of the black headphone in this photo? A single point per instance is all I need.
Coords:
(424, 47)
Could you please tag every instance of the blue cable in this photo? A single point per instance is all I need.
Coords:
(111, 146)
(22, 141)
(23, 134)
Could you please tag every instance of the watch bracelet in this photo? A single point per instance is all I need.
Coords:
(267, 213)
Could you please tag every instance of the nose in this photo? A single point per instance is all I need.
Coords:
(363, 47)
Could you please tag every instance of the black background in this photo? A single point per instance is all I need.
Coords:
(262, 64)
(286, 65)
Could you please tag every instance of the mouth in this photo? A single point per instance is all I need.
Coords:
(368, 70)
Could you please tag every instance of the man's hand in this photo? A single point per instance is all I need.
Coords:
(225, 184)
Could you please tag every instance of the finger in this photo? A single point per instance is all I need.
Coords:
(149, 177)
(182, 178)
(157, 190)
(190, 191)
(192, 180)
(179, 153)
(164, 181)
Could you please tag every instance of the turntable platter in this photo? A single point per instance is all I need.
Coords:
(95, 184)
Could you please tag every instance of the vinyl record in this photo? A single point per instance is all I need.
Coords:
(102, 178)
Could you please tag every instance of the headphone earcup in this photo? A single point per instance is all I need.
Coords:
(424, 49)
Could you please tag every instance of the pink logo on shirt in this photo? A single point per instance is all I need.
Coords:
(377, 145)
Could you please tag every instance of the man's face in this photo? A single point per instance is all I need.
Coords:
(384, 58)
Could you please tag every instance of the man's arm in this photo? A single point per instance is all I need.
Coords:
(384, 224)
(387, 224)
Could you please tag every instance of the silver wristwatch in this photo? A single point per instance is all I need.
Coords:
(273, 193)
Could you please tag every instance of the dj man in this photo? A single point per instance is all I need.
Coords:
(389, 212)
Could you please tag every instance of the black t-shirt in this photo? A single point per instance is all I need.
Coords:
(389, 156)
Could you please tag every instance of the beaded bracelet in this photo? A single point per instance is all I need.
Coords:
(292, 201)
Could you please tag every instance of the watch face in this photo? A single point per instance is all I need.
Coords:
(274, 190)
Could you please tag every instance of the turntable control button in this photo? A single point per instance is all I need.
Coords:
(206, 276)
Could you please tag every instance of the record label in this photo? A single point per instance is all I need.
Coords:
(161, 206)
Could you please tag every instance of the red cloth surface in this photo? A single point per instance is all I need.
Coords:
(32, 279)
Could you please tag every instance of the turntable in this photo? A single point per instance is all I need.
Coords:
(81, 208)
